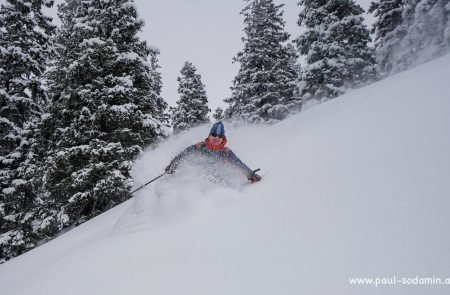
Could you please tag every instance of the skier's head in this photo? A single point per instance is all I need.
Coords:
(217, 134)
(218, 129)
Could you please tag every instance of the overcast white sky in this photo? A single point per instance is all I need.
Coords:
(207, 33)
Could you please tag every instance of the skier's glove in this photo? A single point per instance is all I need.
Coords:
(171, 168)
(254, 177)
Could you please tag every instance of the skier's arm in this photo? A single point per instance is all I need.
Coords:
(184, 154)
(181, 156)
(251, 175)
(238, 163)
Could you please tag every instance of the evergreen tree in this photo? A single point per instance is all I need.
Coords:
(336, 47)
(264, 87)
(423, 35)
(388, 15)
(192, 107)
(218, 114)
(25, 48)
(156, 79)
(296, 66)
(105, 109)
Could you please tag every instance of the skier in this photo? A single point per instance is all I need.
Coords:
(214, 148)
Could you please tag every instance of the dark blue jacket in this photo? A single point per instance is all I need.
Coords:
(220, 153)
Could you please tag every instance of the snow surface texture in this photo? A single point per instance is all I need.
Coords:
(355, 187)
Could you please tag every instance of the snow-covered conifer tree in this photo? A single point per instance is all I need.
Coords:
(161, 111)
(218, 114)
(423, 35)
(264, 88)
(388, 15)
(335, 44)
(192, 107)
(25, 48)
(294, 64)
(105, 109)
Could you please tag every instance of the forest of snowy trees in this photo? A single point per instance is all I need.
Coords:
(81, 101)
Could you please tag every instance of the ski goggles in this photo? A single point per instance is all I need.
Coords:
(215, 135)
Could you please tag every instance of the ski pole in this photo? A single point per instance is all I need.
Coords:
(148, 183)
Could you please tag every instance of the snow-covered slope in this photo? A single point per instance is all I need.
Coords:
(356, 187)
